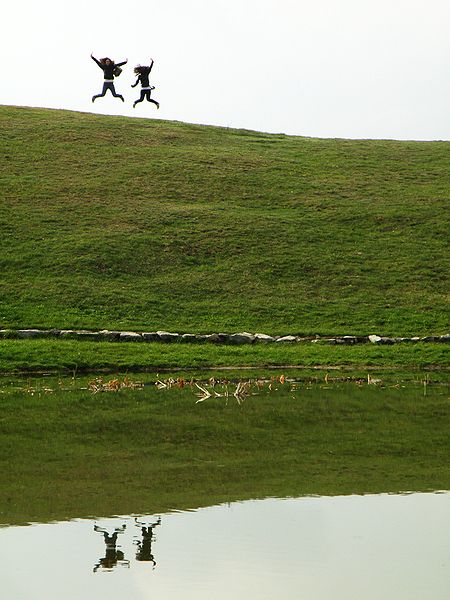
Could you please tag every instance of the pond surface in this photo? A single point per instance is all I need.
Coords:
(132, 445)
(343, 547)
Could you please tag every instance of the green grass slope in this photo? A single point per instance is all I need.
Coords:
(113, 222)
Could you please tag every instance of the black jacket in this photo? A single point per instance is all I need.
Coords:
(144, 78)
(108, 70)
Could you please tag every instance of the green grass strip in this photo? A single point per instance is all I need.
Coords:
(78, 356)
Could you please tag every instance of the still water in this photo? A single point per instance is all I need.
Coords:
(344, 547)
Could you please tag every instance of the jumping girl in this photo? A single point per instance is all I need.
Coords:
(143, 77)
(108, 67)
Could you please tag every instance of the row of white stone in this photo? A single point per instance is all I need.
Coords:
(216, 338)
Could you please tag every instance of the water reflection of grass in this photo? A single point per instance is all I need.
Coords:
(75, 453)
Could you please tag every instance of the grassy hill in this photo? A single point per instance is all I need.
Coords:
(113, 222)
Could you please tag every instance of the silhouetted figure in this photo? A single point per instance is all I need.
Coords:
(144, 551)
(110, 70)
(112, 555)
(143, 73)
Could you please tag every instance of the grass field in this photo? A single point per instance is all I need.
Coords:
(132, 224)
(121, 223)
(28, 356)
(72, 454)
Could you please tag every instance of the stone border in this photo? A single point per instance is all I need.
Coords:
(215, 338)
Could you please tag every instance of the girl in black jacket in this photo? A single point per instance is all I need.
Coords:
(146, 89)
(108, 67)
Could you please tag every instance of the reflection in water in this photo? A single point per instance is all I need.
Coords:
(343, 547)
(113, 556)
(144, 552)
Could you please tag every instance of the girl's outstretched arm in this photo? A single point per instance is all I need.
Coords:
(137, 81)
(151, 64)
(97, 61)
(122, 63)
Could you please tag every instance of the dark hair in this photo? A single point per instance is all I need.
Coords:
(141, 70)
(103, 60)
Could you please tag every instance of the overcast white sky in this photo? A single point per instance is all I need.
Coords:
(323, 68)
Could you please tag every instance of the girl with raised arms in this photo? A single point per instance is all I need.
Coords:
(143, 73)
(110, 70)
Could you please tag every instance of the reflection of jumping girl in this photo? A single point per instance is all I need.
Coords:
(144, 552)
(113, 556)
(108, 67)
(143, 77)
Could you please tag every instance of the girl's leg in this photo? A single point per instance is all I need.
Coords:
(150, 99)
(141, 98)
(105, 88)
(113, 91)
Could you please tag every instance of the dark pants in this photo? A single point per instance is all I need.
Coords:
(145, 94)
(107, 85)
